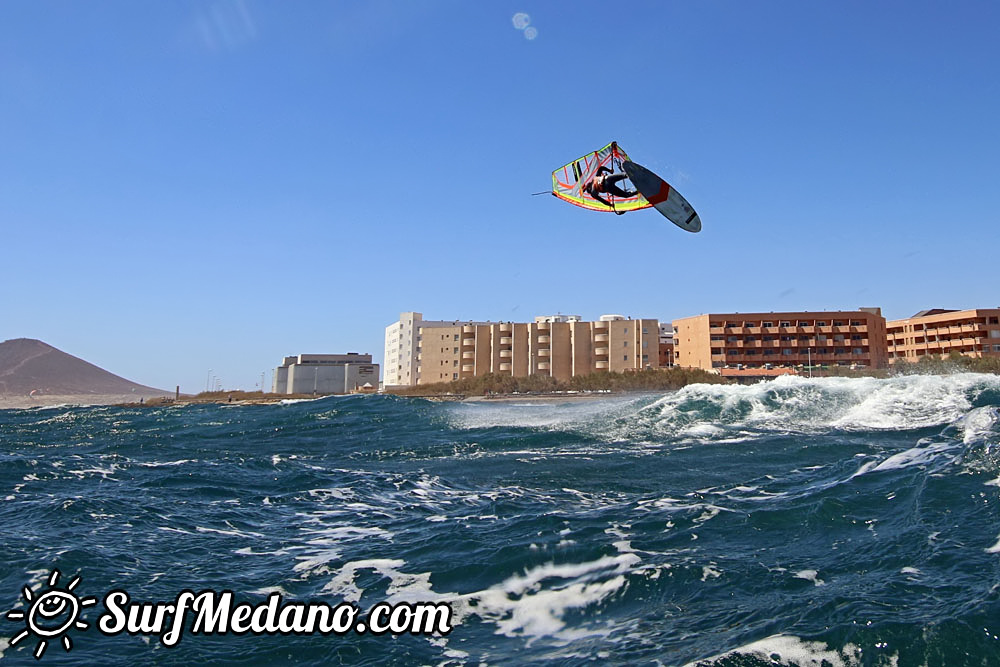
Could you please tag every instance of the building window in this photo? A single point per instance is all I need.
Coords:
(626, 357)
(784, 324)
(768, 324)
(786, 352)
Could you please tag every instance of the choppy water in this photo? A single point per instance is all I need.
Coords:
(827, 521)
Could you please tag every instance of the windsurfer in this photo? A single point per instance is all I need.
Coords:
(606, 181)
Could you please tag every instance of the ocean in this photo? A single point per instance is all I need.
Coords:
(832, 521)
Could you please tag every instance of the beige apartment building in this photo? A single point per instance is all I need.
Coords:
(738, 341)
(559, 346)
(402, 339)
(972, 333)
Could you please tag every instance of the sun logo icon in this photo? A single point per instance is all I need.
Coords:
(51, 614)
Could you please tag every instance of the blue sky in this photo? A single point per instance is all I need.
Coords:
(188, 186)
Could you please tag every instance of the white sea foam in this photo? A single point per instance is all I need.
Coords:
(713, 413)
(979, 424)
(790, 650)
(810, 575)
(570, 415)
(230, 533)
(915, 456)
(530, 605)
(162, 464)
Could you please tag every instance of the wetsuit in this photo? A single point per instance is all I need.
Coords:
(606, 181)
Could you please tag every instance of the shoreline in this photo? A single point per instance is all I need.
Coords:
(122, 401)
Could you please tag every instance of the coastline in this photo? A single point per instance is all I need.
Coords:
(120, 400)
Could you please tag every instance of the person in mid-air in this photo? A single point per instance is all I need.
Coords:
(606, 181)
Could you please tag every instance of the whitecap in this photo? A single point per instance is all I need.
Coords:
(809, 575)
(791, 650)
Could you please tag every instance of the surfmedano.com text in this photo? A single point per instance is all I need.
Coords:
(215, 613)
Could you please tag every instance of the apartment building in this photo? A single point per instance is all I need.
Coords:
(402, 340)
(322, 374)
(739, 341)
(972, 333)
(559, 346)
(666, 351)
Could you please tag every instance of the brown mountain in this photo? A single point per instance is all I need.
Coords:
(28, 365)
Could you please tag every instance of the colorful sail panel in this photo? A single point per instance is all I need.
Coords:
(568, 180)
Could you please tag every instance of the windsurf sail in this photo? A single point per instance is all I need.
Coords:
(568, 180)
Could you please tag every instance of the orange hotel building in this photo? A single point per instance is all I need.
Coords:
(736, 341)
(972, 333)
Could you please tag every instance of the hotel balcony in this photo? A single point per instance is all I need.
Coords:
(544, 339)
(469, 342)
(601, 351)
(601, 338)
(505, 367)
(601, 365)
(600, 325)
(506, 328)
(544, 326)
(506, 354)
(543, 365)
(506, 340)
(468, 368)
(468, 355)
(545, 352)
(468, 329)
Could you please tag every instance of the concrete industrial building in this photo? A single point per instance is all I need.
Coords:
(733, 342)
(559, 346)
(972, 333)
(322, 374)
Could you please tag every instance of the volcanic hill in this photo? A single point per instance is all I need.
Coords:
(28, 365)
